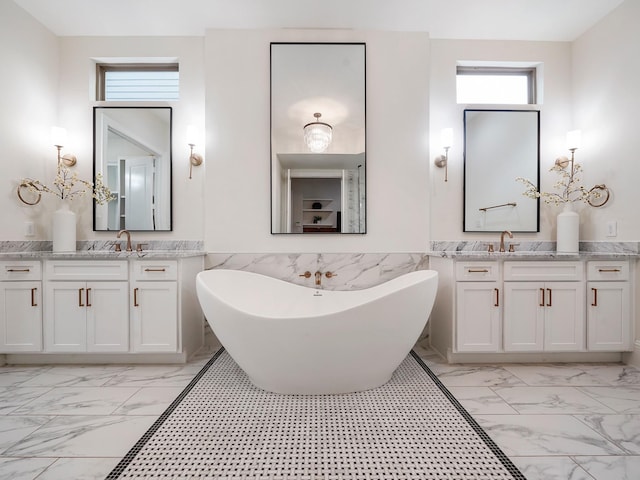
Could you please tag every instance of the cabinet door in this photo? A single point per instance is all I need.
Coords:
(107, 316)
(65, 324)
(608, 316)
(564, 317)
(523, 316)
(20, 316)
(154, 316)
(478, 317)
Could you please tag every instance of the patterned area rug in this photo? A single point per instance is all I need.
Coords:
(222, 427)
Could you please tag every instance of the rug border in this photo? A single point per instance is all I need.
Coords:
(131, 454)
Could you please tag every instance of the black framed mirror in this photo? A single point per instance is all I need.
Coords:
(318, 138)
(132, 151)
(499, 146)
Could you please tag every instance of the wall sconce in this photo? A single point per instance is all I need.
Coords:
(59, 138)
(598, 194)
(195, 159)
(446, 140)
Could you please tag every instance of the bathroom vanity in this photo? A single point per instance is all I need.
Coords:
(538, 307)
(100, 307)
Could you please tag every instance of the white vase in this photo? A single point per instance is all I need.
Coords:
(568, 230)
(64, 229)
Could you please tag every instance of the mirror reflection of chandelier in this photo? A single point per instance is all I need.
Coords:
(317, 135)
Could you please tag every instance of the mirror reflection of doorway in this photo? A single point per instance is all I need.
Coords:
(316, 205)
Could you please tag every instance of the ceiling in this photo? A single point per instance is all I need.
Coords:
(538, 20)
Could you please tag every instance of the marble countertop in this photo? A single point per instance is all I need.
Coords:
(532, 255)
(101, 255)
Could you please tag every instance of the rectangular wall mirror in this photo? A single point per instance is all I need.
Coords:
(318, 138)
(132, 150)
(499, 146)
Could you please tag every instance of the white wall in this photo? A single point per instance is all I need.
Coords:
(606, 69)
(237, 216)
(28, 95)
(555, 121)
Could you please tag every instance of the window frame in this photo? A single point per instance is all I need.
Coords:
(530, 73)
(103, 68)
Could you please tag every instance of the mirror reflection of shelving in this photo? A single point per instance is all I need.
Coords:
(318, 214)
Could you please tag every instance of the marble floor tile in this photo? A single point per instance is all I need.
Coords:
(78, 401)
(149, 401)
(543, 435)
(74, 376)
(537, 400)
(154, 376)
(614, 374)
(23, 468)
(550, 468)
(611, 467)
(79, 469)
(83, 436)
(14, 397)
(622, 399)
(556, 374)
(12, 376)
(14, 429)
(474, 376)
(623, 430)
(481, 400)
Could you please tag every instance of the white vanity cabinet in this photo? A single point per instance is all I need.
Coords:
(154, 306)
(477, 307)
(609, 306)
(20, 306)
(544, 306)
(86, 306)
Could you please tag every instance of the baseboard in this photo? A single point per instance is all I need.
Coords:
(93, 358)
(540, 357)
(633, 357)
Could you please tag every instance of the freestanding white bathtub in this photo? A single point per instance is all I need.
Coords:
(299, 340)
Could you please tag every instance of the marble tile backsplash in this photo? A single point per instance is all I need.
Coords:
(524, 246)
(46, 246)
(353, 270)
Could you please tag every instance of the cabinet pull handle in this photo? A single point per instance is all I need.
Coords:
(609, 270)
(33, 297)
(497, 304)
(155, 270)
(88, 302)
(549, 304)
(595, 297)
(80, 304)
(23, 270)
(541, 304)
(135, 297)
(478, 270)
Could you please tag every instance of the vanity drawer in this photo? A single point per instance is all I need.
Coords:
(477, 271)
(155, 270)
(86, 270)
(550, 271)
(20, 270)
(603, 270)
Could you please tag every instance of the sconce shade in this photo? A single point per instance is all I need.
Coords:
(317, 135)
(58, 136)
(574, 139)
(446, 137)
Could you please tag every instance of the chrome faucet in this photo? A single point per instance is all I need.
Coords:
(128, 238)
(502, 239)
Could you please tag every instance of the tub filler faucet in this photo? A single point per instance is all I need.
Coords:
(318, 278)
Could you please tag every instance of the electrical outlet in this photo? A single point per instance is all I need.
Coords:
(29, 229)
(612, 228)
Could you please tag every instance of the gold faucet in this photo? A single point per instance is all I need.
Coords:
(318, 277)
(502, 239)
(128, 238)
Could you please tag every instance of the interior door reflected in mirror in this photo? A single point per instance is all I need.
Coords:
(499, 146)
(132, 151)
(318, 138)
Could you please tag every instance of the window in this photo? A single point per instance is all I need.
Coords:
(129, 82)
(502, 85)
